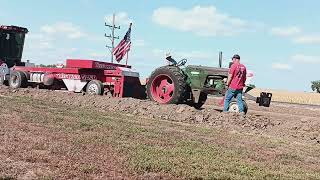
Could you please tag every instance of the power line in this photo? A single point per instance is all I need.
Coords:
(111, 36)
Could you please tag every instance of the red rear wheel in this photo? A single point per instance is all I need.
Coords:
(162, 88)
(167, 85)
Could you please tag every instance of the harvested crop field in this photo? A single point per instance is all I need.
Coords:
(59, 135)
(312, 98)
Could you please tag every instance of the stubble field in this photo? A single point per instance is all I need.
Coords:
(311, 98)
(59, 135)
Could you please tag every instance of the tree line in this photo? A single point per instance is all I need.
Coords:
(315, 86)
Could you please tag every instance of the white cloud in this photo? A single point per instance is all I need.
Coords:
(38, 36)
(48, 36)
(54, 42)
(296, 34)
(281, 66)
(74, 49)
(159, 53)
(191, 55)
(195, 55)
(307, 39)
(100, 54)
(121, 18)
(285, 31)
(45, 45)
(201, 20)
(139, 42)
(306, 59)
(67, 29)
(38, 41)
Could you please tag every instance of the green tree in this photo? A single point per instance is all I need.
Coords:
(315, 86)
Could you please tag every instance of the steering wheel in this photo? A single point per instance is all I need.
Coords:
(182, 62)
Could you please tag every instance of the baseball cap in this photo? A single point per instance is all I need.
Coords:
(236, 56)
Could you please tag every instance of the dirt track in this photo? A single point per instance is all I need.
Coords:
(298, 123)
(292, 121)
(295, 124)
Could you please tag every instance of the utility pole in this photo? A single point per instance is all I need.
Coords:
(111, 36)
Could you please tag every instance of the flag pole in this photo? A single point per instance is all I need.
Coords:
(127, 58)
(130, 25)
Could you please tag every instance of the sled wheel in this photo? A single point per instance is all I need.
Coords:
(95, 87)
(18, 79)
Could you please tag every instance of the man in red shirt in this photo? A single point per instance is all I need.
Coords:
(236, 83)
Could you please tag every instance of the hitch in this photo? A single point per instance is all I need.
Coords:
(264, 99)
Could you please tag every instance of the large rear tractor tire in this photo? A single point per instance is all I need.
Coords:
(233, 107)
(95, 87)
(167, 85)
(18, 79)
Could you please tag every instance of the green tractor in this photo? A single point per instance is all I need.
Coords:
(192, 84)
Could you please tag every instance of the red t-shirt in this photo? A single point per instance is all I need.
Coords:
(239, 73)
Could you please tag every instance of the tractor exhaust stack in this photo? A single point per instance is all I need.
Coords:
(220, 59)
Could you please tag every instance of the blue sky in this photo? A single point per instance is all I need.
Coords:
(278, 40)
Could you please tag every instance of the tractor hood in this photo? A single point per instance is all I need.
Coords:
(211, 70)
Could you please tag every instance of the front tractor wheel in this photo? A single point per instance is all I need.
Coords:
(233, 107)
(167, 85)
(2, 81)
(18, 79)
(202, 99)
(95, 87)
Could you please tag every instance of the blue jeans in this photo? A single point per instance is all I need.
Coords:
(231, 93)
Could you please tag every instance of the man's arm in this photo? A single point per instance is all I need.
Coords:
(229, 79)
(245, 76)
(230, 75)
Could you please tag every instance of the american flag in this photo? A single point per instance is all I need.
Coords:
(123, 47)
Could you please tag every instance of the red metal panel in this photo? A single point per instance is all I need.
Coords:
(121, 86)
(78, 63)
(86, 63)
(104, 65)
(85, 70)
(113, 72)
(47, 70)
(118, 86)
